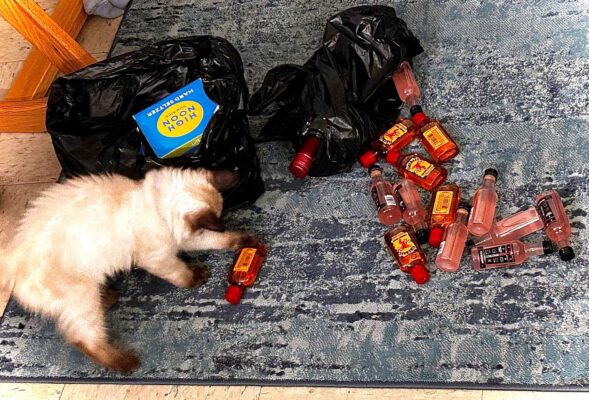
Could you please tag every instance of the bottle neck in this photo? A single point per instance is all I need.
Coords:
(489, 182)
(534, 249)
(376, 176)
(462, 216)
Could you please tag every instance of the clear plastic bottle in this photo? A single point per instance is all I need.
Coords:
(393, 139)
(434, 137)
(407, 254)
(452, 246)
(381, 191)
(442, 211)
(303, 159)
(483, 205)
(414, 167)
(406, 85)
(556, 223)
(411, 206)
(507, 254)
(514, 227)
(244, 271)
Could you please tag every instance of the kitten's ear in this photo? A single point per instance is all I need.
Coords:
(223, 179)
(204, 220)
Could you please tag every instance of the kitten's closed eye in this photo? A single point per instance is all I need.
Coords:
(204, 220)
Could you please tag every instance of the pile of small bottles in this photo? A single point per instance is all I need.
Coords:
(449, 220)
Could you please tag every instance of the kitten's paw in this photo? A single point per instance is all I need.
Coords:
(247, 240)
(200, 275)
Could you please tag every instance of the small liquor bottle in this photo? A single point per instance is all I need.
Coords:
(414, 167)
(382, 193)
(393, 139)
(406, 85)
(507, 254)
(245, 270)
(452, 247)
(410, 204)
(407, 253)
(436, 140)
(483, 205)
(303, 160)
(515, 226)
(556, 223)
(442, 211)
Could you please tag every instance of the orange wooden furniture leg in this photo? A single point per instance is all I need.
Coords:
(45, 34)
(23, 116)
(37, 72)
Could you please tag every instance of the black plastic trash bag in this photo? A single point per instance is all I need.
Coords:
(344, 93)
(90, 113)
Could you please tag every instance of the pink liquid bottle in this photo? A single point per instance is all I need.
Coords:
(483, 205)
(507, 254)
(406, 85)
(514, 227)
(414, 212)
(556, 223)
(452, 246)
(303, 160)
(383, 196)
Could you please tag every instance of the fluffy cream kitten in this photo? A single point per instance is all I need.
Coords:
(77, 234)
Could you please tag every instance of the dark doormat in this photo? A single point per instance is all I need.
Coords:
(511, 82)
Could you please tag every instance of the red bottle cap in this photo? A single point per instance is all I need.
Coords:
(419, 118)
(233, 294)
(435, 236)
(300, 165)
(367, 159)
(420, 274)
(392, 157)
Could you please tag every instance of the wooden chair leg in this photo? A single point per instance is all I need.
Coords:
(23, 116)
(45, 34)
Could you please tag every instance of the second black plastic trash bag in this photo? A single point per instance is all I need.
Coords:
(90, 113)
(343, 94)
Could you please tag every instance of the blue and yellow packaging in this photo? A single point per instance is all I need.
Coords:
(174, 125)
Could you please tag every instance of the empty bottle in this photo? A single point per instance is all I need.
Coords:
(383, 196)
(483, 205)
(442, 211)
(407, 253)
(411, 206)
(452, 246)
(507, 254)
(393, 139)
(556, 223)
(414, 167)
(406, 85)
(303, 159)
(435, 139)
(245, 270)
(514, 227)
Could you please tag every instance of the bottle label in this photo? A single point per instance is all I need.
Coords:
(436, 137)
(496, 255)
(418, 166)
(545, 211)
(395, 133)
(389, 199)
(397, 192)
(441, 249)
(442, 202)
(244, 261)
(403, 244)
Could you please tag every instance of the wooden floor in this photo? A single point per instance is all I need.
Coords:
(28, 165)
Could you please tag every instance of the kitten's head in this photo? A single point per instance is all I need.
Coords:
(191, 198)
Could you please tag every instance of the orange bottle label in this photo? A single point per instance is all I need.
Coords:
(442, 202)
(419, 167)
(436, 137)
(396, 132)
(403, 244)
(244, 261)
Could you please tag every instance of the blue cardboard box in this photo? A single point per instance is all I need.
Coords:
(174, 125)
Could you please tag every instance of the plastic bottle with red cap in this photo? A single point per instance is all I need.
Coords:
(303, 159)
(418, 169)
(434, 137)
(442, 211)
(393, 139)
(407, 253)
(244, 271)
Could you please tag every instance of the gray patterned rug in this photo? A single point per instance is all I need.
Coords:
(510, 79)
